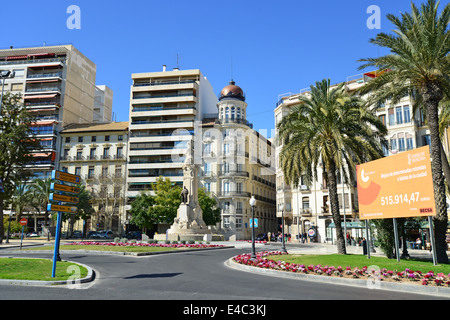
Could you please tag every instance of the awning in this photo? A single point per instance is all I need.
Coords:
(42, 81)
(43, 123)
(42, 155)
(40, 54)
(348, 225)
(41, 97)
(16, 57)
(41, 110)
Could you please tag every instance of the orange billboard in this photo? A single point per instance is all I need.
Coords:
(397, 186)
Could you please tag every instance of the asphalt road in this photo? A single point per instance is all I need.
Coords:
(192, 276)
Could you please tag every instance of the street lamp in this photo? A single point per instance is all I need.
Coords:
(253, 204)
(283, 247)
(4, 74)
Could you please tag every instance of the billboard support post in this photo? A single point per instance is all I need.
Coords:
(367, 240)
(433, 247)
(397, 249)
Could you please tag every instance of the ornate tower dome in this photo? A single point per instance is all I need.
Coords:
(232, 106)
(232, 91)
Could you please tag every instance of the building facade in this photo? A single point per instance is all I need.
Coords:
(164, 109)
(238, 164)
(98, 153)
(308, 206)
(57, 84)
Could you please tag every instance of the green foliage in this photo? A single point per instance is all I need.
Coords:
(16, 142)
(385, 236)
(211, 212)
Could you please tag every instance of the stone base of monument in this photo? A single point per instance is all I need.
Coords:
(188, 225)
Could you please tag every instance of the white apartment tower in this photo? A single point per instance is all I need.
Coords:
(164, 109)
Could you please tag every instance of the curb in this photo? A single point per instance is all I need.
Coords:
(441, 292)
(136, 254)
(89, 277)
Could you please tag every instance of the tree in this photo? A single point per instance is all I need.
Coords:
(332, 129)
(418, 66)
(148, 210)
(84, 209)
(211, 212)
(42, 190)
(16, 142)
(21, 198)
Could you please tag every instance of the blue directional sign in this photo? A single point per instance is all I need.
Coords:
(256, 223)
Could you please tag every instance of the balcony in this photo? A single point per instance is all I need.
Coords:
(230, 194)
(244, 174)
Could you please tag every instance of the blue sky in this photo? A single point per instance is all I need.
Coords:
(276, 46)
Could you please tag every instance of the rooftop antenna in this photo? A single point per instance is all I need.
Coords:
(178, 61)
(232, 68)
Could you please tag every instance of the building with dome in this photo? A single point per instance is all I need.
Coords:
(238, 163)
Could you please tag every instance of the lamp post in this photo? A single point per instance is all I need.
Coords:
(283, 247)
(4, 74)
(253, 204)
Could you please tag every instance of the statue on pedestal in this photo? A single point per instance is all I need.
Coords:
(189, 220)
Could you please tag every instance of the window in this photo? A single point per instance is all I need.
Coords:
(77, 171)
(382, 118)
(401, 144)
(207, 168)
(106, 153)
(226, 222)
(394, 144)
(92, 153)
(399, 115)
(106, 138)
(426, 140)
(226, 187)
(119, 152)
(17, 87)
(80, 139)
(67, 139)
(79, 154)
(409, 144)
(391, 117)
(91, 172)
(120, 137)
(207, 186)
(94, 139)
(238, 222)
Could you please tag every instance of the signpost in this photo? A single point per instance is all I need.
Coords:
(23, 223)
(397, 186)
(58, 195)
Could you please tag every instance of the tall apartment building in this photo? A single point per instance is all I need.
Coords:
(164, 109)
(103, 104)
(57, 84)
(237, 164)
(97, 153)
(309, 205)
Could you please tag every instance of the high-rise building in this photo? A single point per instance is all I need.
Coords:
(164, 109)
(57, 84)
(103, 104)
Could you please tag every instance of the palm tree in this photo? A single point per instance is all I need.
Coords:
(418, 66)
(332, 129)
(42, 189)
(20, 199)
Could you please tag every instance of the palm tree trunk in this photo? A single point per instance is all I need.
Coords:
(432, 94)
(334, 204)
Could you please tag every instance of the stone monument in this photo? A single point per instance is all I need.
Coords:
(189, 224)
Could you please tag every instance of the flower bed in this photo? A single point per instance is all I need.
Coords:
(142, 244)
(407, 275)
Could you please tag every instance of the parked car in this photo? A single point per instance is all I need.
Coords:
(93, 235)
(261, 237)
(76, 234)
(106, 234)
(134, 235)
(32, 235)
